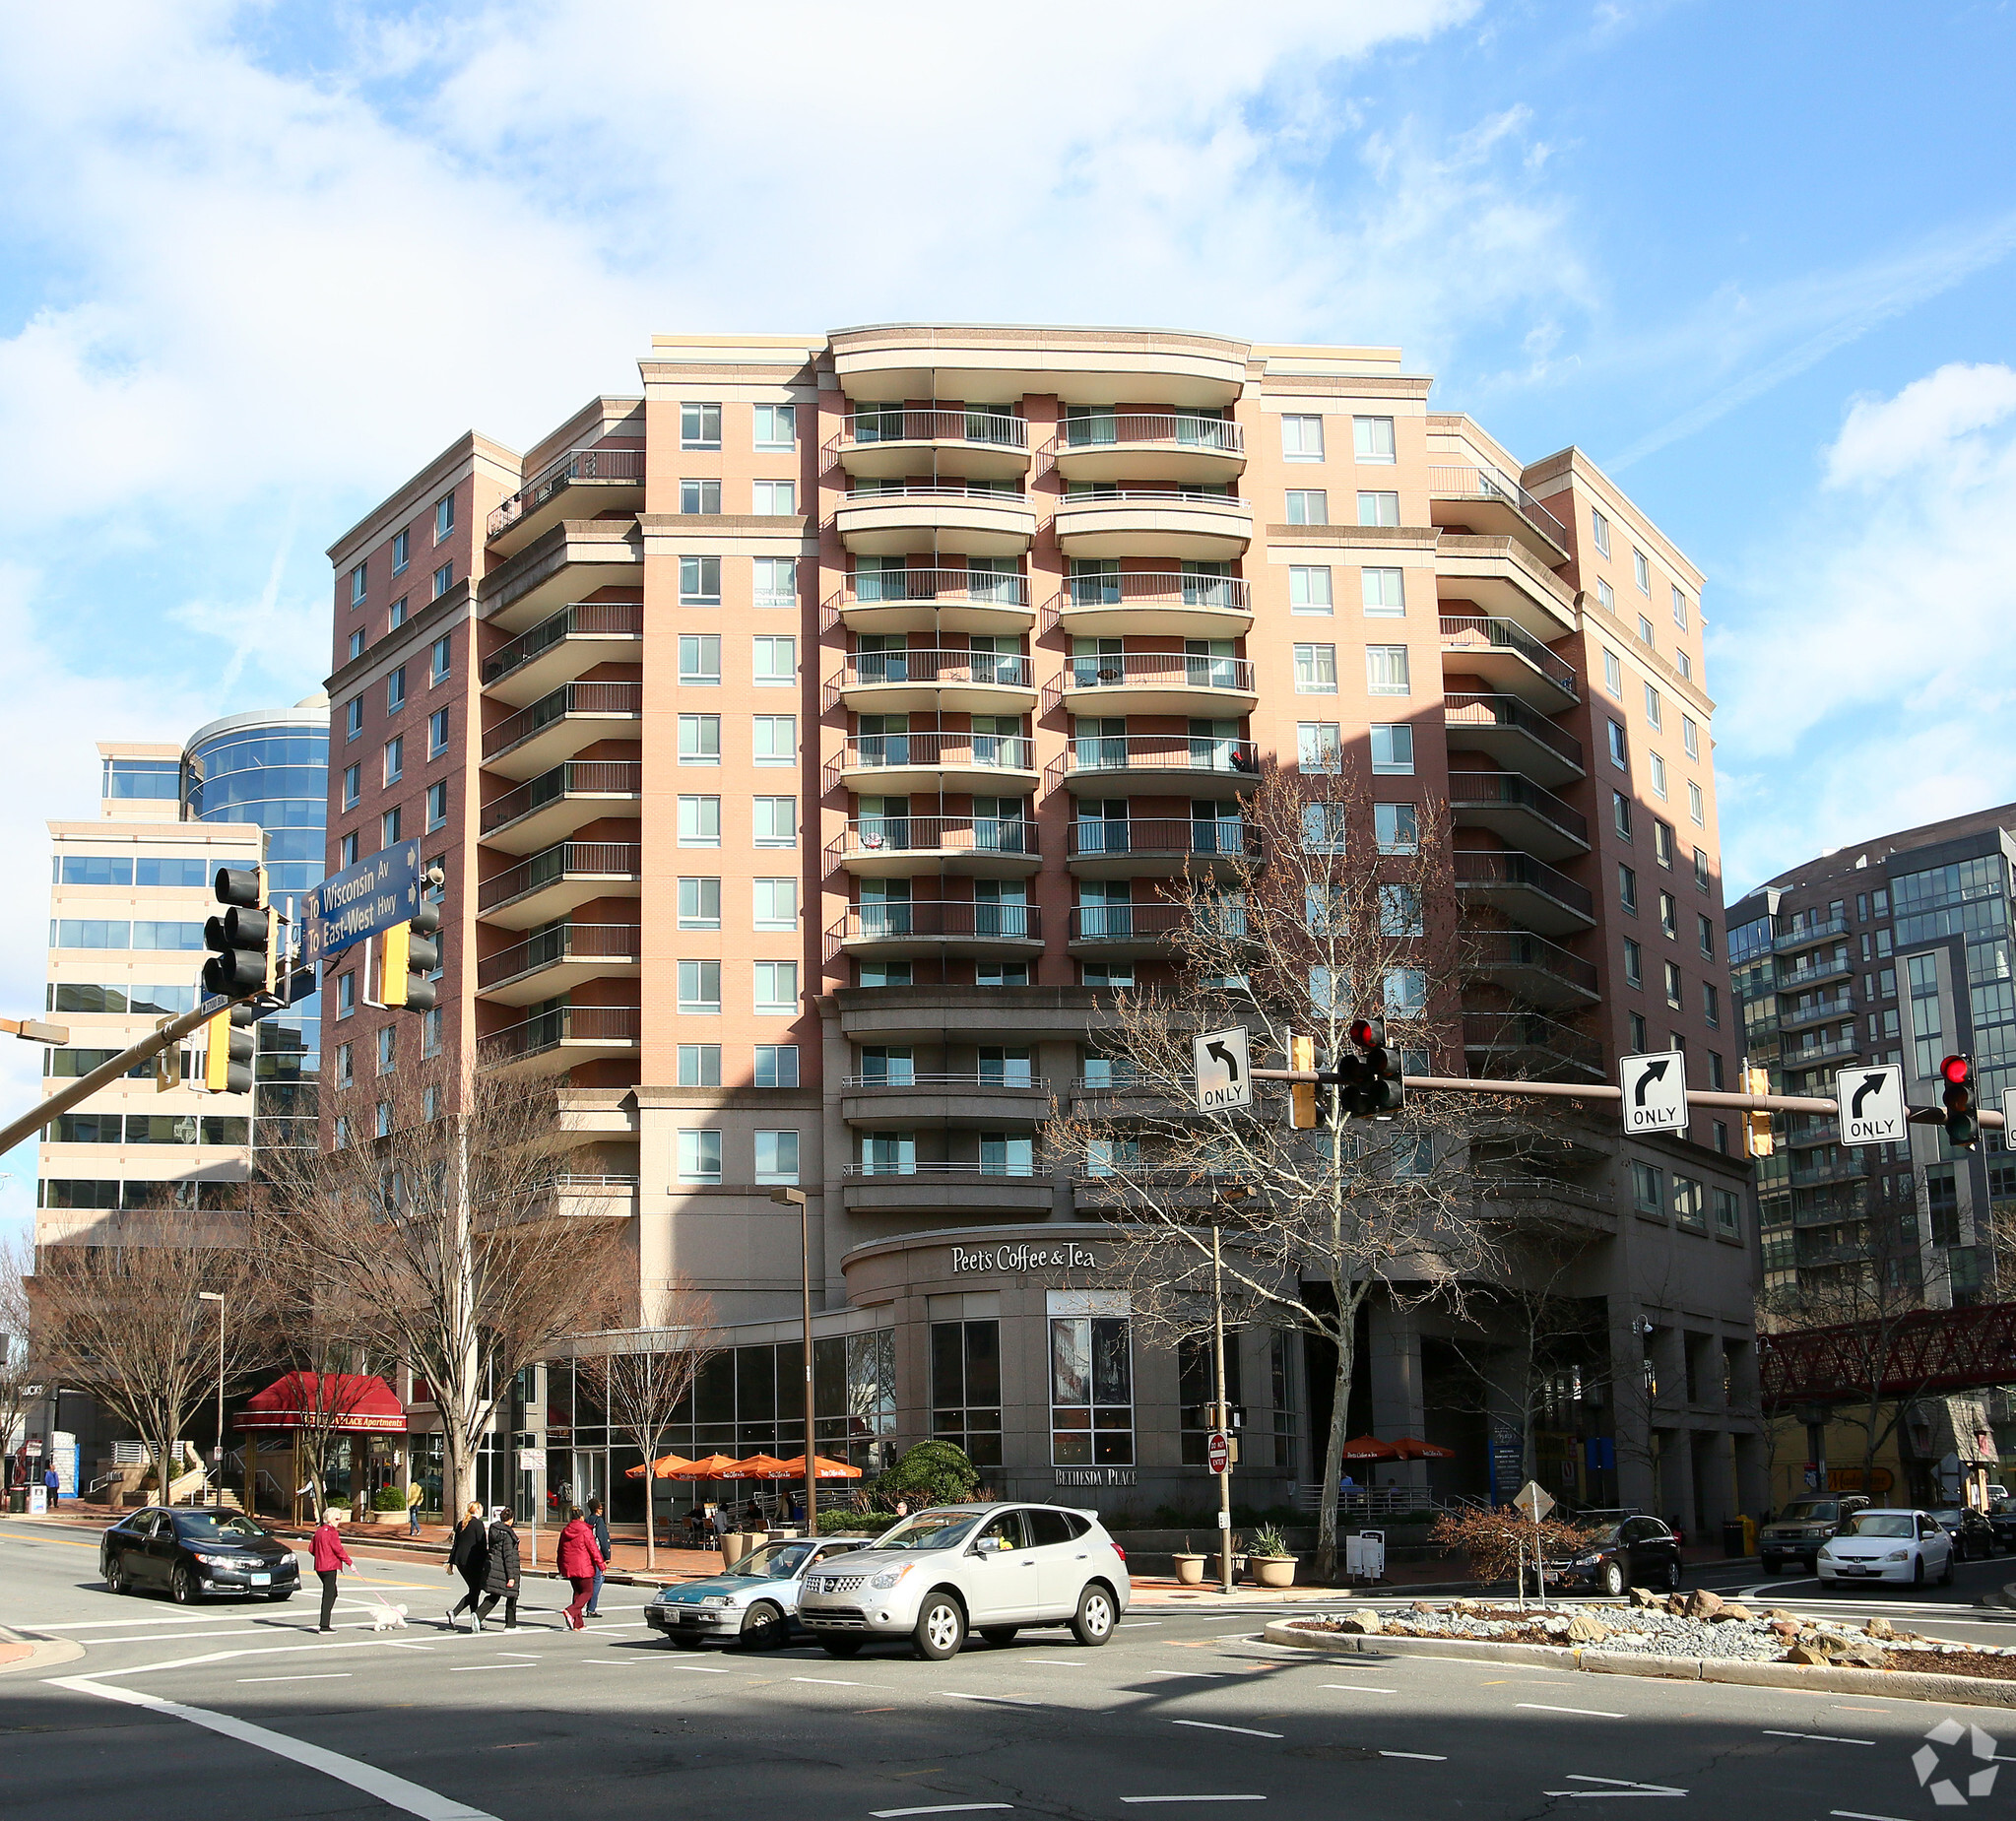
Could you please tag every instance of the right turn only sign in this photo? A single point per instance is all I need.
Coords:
(1871, 1102)
(1654, 1091)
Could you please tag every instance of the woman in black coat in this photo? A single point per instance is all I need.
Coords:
(500, 1572)
(468, 1556)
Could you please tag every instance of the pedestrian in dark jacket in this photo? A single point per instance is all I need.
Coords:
(581, 1561)
(330, 1557)
(599, 1525)
(468, 1556)
(500, 1573)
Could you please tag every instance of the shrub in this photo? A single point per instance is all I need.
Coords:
(1495, 1542)
(931, 1473)
(855, 1523)
(1267, 1540)
(388, 1498)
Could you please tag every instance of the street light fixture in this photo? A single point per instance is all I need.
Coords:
(797, 1197)
(217, 1297)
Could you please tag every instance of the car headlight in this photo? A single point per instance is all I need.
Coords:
(1898, 1555)
(1587, 1561)
(214, 1561)
(718, 1600)
(890, 1579)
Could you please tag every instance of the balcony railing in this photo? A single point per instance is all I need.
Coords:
(1007, 496)
(935, 1166)
(1814, 973)
(1474, 629)
(1467, 710)
(995, 430)
(582, 620)
(612, 860)
(1537, 1189)
(1224, 593)
(1512, 1031)
(1805, 937)
(895, 587)
(584, 699)
(941, 751)
(1196, 752)
(549, 1030)
(1521, 948)
(1186, 429)
(970, 1078)
(924, 665)
(1134, 923)
(569, 941)
(1819, 1011)
(1502, 867)
(1154, 497)
(1797, 1057)
(1514, 792)
(1158, 670)
(580, 777)
(1469, 483)
(934, 919)
(1093, 837)
(930, 834)
(582, 465)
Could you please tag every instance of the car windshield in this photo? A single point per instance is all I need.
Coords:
(1949, 1516)
(1606, 1538)
(208, 1527)
(1824, 1511)
(931, 1530)
(1881, 1523)
(776, 1562)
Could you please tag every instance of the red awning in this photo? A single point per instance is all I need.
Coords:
(348, 1401)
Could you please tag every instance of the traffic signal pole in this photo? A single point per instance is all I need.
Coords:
(162, 1037)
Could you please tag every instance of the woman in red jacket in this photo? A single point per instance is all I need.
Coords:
(580, 1559)
(330, 1555)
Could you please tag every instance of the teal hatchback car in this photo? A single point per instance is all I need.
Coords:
(754, 1602)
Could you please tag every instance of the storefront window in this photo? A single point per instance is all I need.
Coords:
(1196, 1375)
(1091, 1379)
(965, 1388)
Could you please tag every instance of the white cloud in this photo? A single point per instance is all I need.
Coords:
(1885, 437)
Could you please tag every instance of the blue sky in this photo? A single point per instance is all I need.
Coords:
(258, 263)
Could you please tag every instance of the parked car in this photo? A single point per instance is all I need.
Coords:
(754, 1602)
(1974, 1537)
(959, 1568)
(191, 1555)
(1632, 1552)
(1888, 1546)
(1799, 1531)
(2002, 1519)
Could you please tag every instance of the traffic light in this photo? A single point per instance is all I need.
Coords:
(1963, 1127)
(228, 1051)
(1379, 1092)
(1302, 1094)
(411, 955)
(1757, 1139)
(246, 940)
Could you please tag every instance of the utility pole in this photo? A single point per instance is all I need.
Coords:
(797, 1197)
(1224, 1414)
(217, 1297)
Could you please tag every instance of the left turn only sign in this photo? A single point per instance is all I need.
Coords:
(1224, 1079)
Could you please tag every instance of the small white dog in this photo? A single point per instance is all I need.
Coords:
(388, 1617)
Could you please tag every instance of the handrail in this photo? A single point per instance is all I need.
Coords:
(578, 619)
(902, 919)
(548, 1030)
(1467, 483)
(1807, 976)
(1132, 923)
(1154, 588)
(985, 425)
(928, 834)
(922, 664)
(1089, 837)
(1516, 790)
(1784, 940)
(873, 1083)
(1135, 670)
(1197, 753)
(1503, 1032)
(937, 1166)
(1154, 497)
(571, 698)
(1839, 1005)
(897, 587)
(1463, 709)
(577, 465)
(887, 752)
(931, 489)
(614, 860)
(1112, 429)
(1460, 630)
(574, 777)
(570, 941)
(1538, 1187)
(1523, 948)
(1509, 867)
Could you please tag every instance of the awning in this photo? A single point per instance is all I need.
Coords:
(350, 1403)
(821, 1467)
(1369, 1448)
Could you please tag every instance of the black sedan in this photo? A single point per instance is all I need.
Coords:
(2002, 1520)
(1636, 1552)
(1974, 1536)
(192, 1555)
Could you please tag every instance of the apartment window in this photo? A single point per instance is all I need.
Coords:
(700, 660)
(1685, 663)
(776, 662)
(1325, 830)
(776, 740)
(344, 1063)
(776, 1156)
(402, 551)
(1679, 609)
(384, 1119)
(1634, 963)
(700, 427)
(699, 821)
(1714, 1070)
(1386, 669)
(1400, 911)
(700, 1156)
(1302, 438)
(1599, 530)
(1648, 1188)
(1640, 572)
(697, 496)
(437, 733)
(1613, 674)
(776, 821)
(775, 498)
(774, 578)
(1091, 1381)
(699, 988)
(1405, 992)
(1669, 916)
(346, 995)
(1637, 1034)
(442, 659)
(699, 739)
(699, 581)
(777, 987)
(1384, 593)
(1619, 750)
(699, 904)
(1727, 1205)
(356, 586)
(1308, 506)
(1659, 775)
(699, 1064)
(353, 786)
(1687, 1202)
(1697, 804)
(388, 1048)
(1378, 508)
(776, 1065)
(776, 903)
(1371, 440)
(1711, 1003)
(1663, 842)
(1392, 750)
(1652, 707)
(395, 690)
(775, 426)
(444, 579)
(354, 717)
(347, 850)
(438, 805)
(1644, 631)
(394, 759)
(1315, 670)
(444, 516)
(1319, 746)
(1620, 814)
(1704, 928)
(356, 643)
(1627, 888)
(1396, 827)
(1674, 987)
(1690, 736)
(394, 617)
(1606, 595)
(1309, 588)
(1701, 869)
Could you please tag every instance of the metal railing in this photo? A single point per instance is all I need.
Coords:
(923, 664)
(1513, 790)
(1522, 948)
(1462, 709)
(574, 777)
(1118, 753)
(1152, 670)
(1186, 430)
(1503, 867)
(893, 587)
(1139, 923)
(1009, 837)
(1840, 1006)
(624, 700)
(1096, 838)
(1508, 1032)
(1809, 975)
(610, 860)
(932, 1166)
(1467, 483)
(994, 430)
(1154, 496)
(939, 489)
(1135, 588)
(875, 1083)
(569, 941)
(1461, 630)
(549, 1030)
(1797, 1056)
(581, 464)
(1782, 941)
(580, 619)
(934, 919)
(1537, 1189)
(975, 752)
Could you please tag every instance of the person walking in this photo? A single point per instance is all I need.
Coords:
(599, 1525)
(413, 1494)
(469, 1555)
(330, 1557)
(500, 1571)
(581, 1562)
(54, 1481)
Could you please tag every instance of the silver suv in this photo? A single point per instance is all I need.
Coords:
(959, 1568)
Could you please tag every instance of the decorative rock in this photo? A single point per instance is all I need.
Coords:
(1778, 1612)
(1803, 1652)
(1702, 1604)
(1363, 1624)
(1641, 1598)
(1879, 1628)
(1730, 1610)
(1585, 1628)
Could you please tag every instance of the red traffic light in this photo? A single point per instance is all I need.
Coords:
(1367, 1033)
(1956, 1069)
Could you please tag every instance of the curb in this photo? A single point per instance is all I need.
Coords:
(44, 1653)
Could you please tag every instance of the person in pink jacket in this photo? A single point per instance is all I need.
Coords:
(330, 1557)
(580, 1560)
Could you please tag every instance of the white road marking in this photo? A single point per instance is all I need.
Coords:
(1211, 1725)
(834, 1681)
(952, 1694)
(1856, 1814)
(215, 1618)
(1593, 1713)
(1131, 1624)
(320, 1676)
(1359, 1688)
(1209, 1676)
(394, 1791)
(611, 1662)
(473, 1669)
(939, 1808)
(1620, 1785)
(1824, 1739)
(1193, 1798)
(699, 1668)
(1426, 1757)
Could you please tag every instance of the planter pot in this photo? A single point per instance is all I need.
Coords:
(1190, 1570)
(1272, 1569)
(734, 1546)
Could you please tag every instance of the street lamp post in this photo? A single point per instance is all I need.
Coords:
(217, 1297)
(796, 1198)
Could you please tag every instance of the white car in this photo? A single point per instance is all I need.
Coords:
(956, 1568)
(1888, 1546)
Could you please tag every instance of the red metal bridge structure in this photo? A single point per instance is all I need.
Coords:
(1926, 1353)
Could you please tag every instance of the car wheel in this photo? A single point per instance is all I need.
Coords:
(841, 1646)
(1672, 1577)
(117, 1579)
(941, 1628)
(1092, 1623)
(1000, 1634)
(182, 1586)
(1946, 1573)
(1613, 1579)
(1918, 1571)
(766, 1628)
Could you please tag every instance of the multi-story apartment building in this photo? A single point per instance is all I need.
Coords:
(805, 741)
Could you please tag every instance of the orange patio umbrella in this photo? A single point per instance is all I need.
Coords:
(1412, 1447)
(709, 1467)
(763, 1467)
(821, 1467)
(1369, 1448)
(664, 1467)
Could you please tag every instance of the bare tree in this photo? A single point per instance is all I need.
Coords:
(443, 1211)
(17, 1263)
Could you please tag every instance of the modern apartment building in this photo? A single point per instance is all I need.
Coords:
(806, 738)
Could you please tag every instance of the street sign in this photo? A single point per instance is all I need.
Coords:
(1654, 1091)
(531, 1460)
(1534, 1500)
(35, 1448)
(1873, 1109)
(363, 900)
(2008, 1112)
(1218, 1453)
(1224, 1079)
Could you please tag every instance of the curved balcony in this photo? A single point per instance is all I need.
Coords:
(571, 562)
(1160, 846)
(1502, 578)
(1513, 735)
(1527, 889)
(992, 364)
(1533, 969)
(943, 681)
(922, 927)
(1493, 504)
(889, 441)
(559, 725)
(1528, 1044)
(558, 802)
(562, 647)
(552, 1041)
(1154, 682)
(559, 959)
(1117, 606)
(968, 1101)
(908, 846)
(1153, 522)
(964, 521)
(1519, 811)
(1154, 764)
(551, 883)
(943, 1186)
(1122, 932)
(583, 483)
(1509, 658)
(896, 764)
(1135, 445)
(932, 600)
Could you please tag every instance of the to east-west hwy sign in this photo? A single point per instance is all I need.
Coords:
(363, 900)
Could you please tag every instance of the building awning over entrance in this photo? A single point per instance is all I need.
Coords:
(348, 1403)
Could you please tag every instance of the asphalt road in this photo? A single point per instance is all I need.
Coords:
(242, 1709)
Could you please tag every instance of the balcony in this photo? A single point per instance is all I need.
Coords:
(942, 682)
(1519, 811)
(1533, 969)
(1137, 603)
(967, 1101)
(1501, 577)
(895, 764)
(1844, 1167)
(1133, 445)
(889, 441)
(584, 484)
(1154, 682)
(1511, 733)
(1813, 973)
(934, 1187)
(562, 648)
(1141, 521)
(1493, 504)
(904, 929)
(995, 364)
(932, 600)
(943, 517)
(962, 1015)
(1818, 1012)
(1137, 931)
(553, 882)
(558, 961)
(1790, 940)
(1525, 889)
(1155, 764)
(1528, 1044)
(1509, 659)
(555, 1040)
(572, 561)
(559, 725)
(1169, 847)
(1804, 1055)
(562, 802)
(909, 846)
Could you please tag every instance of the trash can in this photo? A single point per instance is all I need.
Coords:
(1736, 1539)
(17, 1501)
